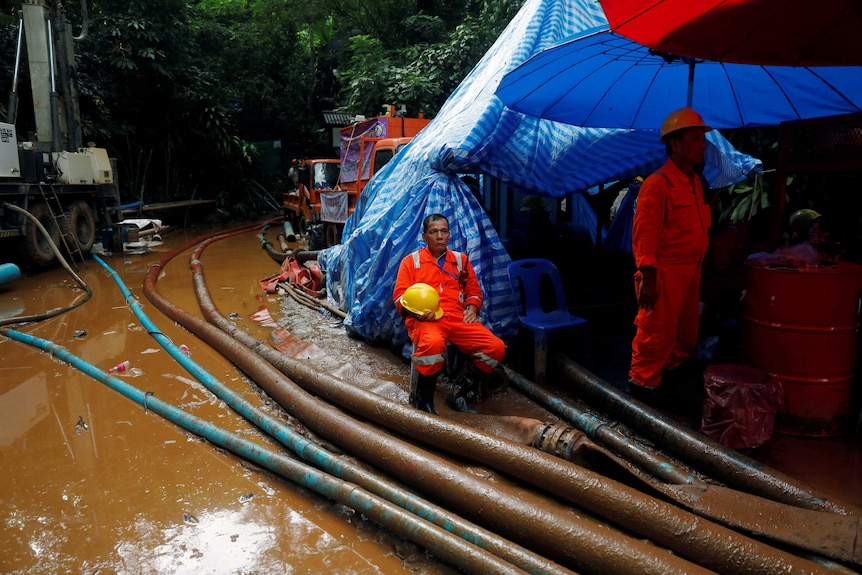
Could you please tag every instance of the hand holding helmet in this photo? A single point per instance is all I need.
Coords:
(422, 301)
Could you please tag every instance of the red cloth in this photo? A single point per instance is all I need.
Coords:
(429, 338)
(671, 234)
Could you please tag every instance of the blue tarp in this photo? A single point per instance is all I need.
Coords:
(474, 132)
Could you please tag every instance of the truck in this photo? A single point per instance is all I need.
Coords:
(49, 176)
(366, 146)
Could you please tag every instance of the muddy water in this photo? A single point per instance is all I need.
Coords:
(92, 482)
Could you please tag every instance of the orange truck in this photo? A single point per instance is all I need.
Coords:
(327, 189)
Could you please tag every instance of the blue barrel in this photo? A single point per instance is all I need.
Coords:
(9, 273)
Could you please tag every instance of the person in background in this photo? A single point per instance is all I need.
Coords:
(808, 244)
(450, 317)
(805, 226)
(670, 237)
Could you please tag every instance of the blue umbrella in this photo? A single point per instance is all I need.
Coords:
(601, 79)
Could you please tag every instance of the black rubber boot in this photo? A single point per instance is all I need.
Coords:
(466, 382)
(422, 388)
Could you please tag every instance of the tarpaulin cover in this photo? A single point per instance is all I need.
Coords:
(475, 133)
(619, 235)
(740, 406)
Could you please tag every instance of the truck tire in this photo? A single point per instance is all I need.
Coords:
(332, 234)
(301, 226)
(36, 248)
(83, 224)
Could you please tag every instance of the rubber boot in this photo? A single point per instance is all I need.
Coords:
(456, 397)
(422, 389)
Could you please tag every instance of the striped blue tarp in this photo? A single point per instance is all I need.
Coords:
(475, 133)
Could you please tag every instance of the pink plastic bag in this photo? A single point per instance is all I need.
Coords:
(740, 406)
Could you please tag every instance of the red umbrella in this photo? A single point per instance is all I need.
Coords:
(766, 32)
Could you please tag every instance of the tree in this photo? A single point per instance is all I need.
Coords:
(176, 90)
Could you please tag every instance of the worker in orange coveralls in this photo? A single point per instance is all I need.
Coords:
(670, 238)
(460, 298)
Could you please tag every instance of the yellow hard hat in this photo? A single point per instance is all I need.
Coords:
(421, 298)
(680, 120)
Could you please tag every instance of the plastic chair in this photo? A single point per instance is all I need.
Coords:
(528, 277)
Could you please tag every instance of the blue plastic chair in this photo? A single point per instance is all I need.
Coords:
(527, 278)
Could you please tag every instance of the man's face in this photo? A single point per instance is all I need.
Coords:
(691, 147)
(437, 236)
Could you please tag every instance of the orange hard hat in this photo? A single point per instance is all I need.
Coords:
(421, 298)
(680, 120)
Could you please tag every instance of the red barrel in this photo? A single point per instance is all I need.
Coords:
(802, 326)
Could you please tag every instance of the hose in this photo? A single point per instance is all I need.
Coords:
(63, 262)
(828, 534)
(316, 455)
(540, 523)
(276, 255)
(658, 465)
(551, 532)
(733, 467)
(439, 541)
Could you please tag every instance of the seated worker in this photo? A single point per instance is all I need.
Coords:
(453, 317)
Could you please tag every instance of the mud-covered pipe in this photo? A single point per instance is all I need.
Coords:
(316, 455)
(727, 464)
(597, 429)
(828, 534)
(701, 541)
(439, 541)
(540, 523)
(709, 544)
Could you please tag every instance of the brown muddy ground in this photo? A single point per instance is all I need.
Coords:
(93, 483)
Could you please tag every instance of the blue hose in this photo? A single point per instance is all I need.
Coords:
(439, 541)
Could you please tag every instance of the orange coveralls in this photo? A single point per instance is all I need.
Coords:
(430, 337)
(670, 234)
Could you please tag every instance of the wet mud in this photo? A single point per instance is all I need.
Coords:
(93, 482)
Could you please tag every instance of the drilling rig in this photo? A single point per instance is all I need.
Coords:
(48, 175)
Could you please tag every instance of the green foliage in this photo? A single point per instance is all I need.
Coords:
(176, 89)
(742, 201)
(421, 75)
(746, 199)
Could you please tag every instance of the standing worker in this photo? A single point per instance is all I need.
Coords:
(670, 238)
(439, 296)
